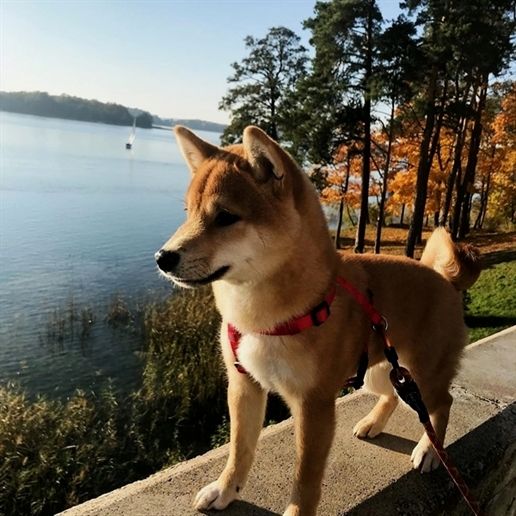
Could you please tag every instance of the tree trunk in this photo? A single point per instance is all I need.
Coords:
(423, 169)
(460, 181)
(366, 164)
(476, 225)
(341, 205)
(484, 194)
(435, 141)
(457, 156)
(462, 225)
(273, 128)
(402, 215)
(456, 167)
(465, 216)
(350, 217)
(339, 223)
(381, 209)
(486, 198)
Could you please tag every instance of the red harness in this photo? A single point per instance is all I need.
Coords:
(315, 317)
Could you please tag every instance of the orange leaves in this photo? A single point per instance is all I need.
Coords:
(495, 169)
(504, 124)
(343, 178)
(497, 159)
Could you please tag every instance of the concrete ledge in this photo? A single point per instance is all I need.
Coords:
(364, 477)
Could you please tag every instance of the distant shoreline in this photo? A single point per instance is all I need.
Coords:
(163, 127)
(66, 107)
(154, 126)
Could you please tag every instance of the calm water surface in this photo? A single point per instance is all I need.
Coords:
(80, 219)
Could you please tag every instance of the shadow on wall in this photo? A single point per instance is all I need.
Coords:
(241, 508)
(494, 257)
(488, 321)
(428, 494)
(394, 443)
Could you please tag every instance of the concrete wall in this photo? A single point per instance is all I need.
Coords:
(365, 477)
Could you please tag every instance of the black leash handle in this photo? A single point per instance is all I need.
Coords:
(409, 392)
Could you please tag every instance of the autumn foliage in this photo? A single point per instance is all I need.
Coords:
(493, 191)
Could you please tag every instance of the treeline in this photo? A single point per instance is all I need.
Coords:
(194, 124)
(71, 108)
(410, 111)
(75, 108)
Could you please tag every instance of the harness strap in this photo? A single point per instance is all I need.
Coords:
(315, 317)
(234, 340)
(373, 314)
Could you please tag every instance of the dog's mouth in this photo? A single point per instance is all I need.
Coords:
(185, 282)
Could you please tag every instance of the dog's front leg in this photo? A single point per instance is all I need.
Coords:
(314, 420)
(246, 401)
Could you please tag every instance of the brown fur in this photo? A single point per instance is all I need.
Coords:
(459, 264)
(281, 264)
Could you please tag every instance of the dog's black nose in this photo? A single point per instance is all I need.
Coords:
(167, 260)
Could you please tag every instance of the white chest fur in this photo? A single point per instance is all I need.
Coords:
(277, 363)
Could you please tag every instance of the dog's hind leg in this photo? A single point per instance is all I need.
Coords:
(377, 381)
(247, 402)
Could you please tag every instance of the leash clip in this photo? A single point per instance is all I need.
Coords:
(383, 325)
(408, 391)
(392, 357)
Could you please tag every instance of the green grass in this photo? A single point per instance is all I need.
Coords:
(491, 302)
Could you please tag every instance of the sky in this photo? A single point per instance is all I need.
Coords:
(169, 57)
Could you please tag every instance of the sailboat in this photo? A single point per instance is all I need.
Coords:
(132, 136)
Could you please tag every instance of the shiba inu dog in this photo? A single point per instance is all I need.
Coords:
(255, 229)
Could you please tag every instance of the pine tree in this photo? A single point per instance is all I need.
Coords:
(261, 81)
(394, 82)
(466, 41)
(344, 34)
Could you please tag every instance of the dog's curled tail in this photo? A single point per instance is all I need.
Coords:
(458, 263)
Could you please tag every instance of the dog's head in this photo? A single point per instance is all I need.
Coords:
(242, 221)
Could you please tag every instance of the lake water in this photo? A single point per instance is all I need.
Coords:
(80, 220)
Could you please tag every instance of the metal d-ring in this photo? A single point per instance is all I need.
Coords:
(385, 323)
(381, 326)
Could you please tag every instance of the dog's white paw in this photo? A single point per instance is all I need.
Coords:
(368, 427)
(291, 510)
(213, 496)
(424, 456)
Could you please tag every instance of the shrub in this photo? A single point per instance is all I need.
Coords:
(55, 454)
(183, 379)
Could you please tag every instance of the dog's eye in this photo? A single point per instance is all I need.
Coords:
(224, 218)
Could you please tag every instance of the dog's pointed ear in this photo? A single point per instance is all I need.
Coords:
(194, 149)
(266, 157)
